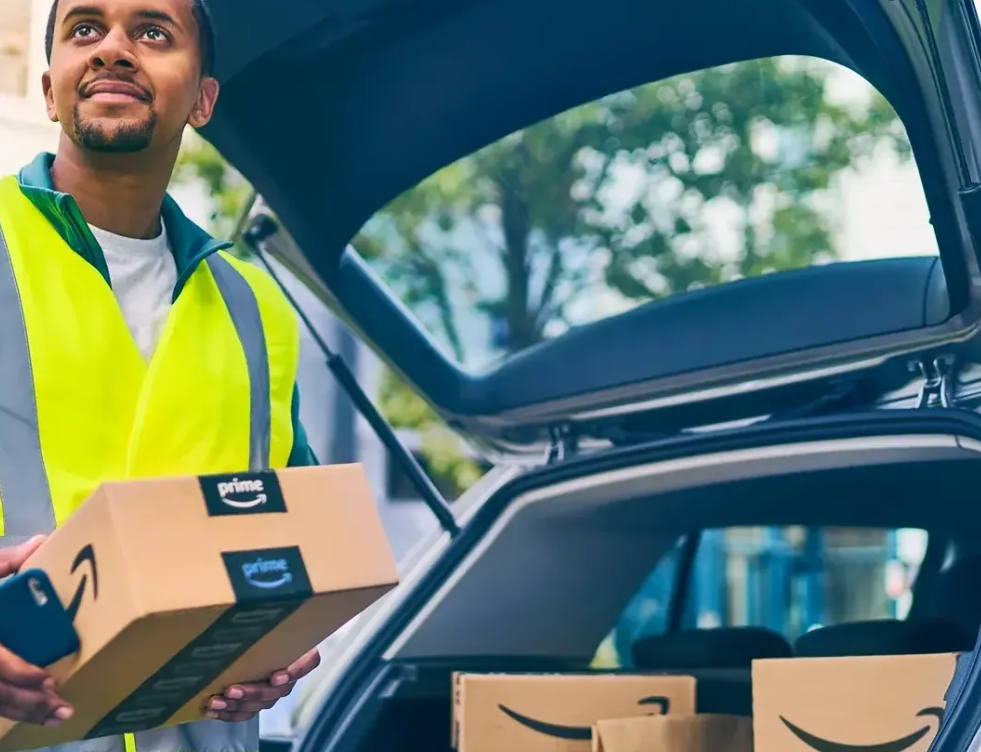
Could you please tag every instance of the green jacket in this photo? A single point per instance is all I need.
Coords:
(190, 243)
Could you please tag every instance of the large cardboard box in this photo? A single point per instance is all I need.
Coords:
(555, 712)
(188, 585)
(880, 702)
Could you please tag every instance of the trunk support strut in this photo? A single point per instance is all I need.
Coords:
(254, 236)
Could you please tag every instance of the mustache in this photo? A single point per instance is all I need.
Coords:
(143, 93)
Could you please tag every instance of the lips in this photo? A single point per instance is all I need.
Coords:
(115, 90)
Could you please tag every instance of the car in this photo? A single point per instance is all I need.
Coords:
(806, 396)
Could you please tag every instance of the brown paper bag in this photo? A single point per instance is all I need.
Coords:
(675, 733)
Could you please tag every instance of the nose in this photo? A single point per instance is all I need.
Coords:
(114, 52)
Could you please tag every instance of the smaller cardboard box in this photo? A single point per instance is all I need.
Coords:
(555, 712)
(877, 702)
(675, 733)
(185, 586)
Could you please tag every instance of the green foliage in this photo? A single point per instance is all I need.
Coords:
(619, 196)
(447, 460)
(199, 161)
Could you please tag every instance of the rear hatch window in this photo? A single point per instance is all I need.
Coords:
(705, 178)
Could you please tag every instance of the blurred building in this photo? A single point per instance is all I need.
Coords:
(24, 127)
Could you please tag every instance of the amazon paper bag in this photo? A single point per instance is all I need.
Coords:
(879, 702)
(188, 585)
(556, 712)
(670, 733)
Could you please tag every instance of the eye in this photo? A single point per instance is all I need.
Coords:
(155, 34)
(84, 31)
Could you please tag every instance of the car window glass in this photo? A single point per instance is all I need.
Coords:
(697, 180)
(790, 579)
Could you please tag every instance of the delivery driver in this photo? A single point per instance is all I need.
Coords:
(130, 344)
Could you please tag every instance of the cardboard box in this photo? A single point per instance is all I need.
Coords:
(674, 733)
(555, 712)
(188, 585)
(881, 702)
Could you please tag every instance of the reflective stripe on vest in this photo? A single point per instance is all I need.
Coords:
(244, 310)
(217, 399)
(22, 474)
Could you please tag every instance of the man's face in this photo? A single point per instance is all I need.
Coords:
(125, 75)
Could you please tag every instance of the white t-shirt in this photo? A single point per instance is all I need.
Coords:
(143, 274)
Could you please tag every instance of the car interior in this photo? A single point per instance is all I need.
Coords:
(551, 577)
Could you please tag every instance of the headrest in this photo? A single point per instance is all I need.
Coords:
(884, 637)
(730, 647)
(949, 602)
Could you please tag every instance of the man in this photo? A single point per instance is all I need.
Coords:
(131, 345)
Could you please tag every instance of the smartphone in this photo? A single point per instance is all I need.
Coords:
(34, 624)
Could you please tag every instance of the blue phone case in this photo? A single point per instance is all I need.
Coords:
(34, 624)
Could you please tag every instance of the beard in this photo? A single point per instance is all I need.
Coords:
(119, 137)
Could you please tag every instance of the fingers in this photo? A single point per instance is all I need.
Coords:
(24, 704)
(302, 667)
(13, 558)
(242, 701)
(33, 706)
(19, 673)
(28, 694)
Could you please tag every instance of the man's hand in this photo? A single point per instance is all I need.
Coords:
(27, 693)
(13, 558)
(242, 701)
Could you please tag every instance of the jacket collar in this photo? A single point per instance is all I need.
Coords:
(190, 244)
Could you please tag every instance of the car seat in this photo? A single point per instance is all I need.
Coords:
(719, 659)
(883, 637)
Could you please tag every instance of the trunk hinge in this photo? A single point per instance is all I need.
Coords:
(564, 444)
(939, 379)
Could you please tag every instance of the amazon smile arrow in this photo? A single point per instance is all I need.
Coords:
(573, 733)
(896, 745)
(87, 554)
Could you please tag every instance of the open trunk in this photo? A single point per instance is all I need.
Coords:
(534, 583)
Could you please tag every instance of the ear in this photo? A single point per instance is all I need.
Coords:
(204, 107)
(49, 96)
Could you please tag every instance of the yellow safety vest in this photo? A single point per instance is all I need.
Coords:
(79, 405)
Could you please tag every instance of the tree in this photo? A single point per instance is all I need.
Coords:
(619, 196)
(228, 191)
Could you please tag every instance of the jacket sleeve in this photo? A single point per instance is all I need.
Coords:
(301, 455)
